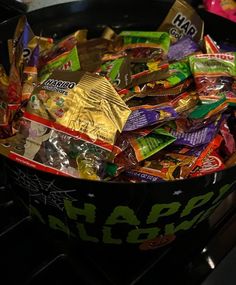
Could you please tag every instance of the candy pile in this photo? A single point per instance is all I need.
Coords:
(132, 106)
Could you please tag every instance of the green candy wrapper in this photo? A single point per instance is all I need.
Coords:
(133, 39)
(214, 74)
(179, 71)
(147, 146)
(118, 72)
(66, 61)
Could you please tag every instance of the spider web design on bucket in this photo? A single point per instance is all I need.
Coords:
(42, 191)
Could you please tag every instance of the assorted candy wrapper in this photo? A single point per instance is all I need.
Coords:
(143, 45)
(170, 167)
(210, 45)
(133, 106)
(214, 74)
(182, 20)
(224, 8)
(66, 61)
(182, 48)
(143, 116)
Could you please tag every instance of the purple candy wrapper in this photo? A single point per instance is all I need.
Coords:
(199, 137)
(33, 61)
(143, 177)
(144, 117)
(182, 48)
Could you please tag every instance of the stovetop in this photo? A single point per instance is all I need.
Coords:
(32, 254)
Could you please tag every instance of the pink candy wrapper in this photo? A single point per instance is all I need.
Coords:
(224, 8)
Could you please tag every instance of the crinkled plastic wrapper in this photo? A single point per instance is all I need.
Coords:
(214, 74)
(57, 152)
(92, 107)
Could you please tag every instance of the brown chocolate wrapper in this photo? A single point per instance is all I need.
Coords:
(90, 60)
(154, 98)
(169, 166)
(175, 90)
(91, 52)
(149, 77)
(115, 41)
(183, 20)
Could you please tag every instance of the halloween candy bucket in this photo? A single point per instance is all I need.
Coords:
(116, 213)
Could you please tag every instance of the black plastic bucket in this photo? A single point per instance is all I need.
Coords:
(141, 216)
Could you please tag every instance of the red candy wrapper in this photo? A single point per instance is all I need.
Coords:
(210, 45)
(209, 160)
(229, 142)
(211, 163)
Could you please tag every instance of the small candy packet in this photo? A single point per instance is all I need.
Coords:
(214, 74)
(183, 20)
(210, 45)
(147, 45)
(117, 72)
(30, 75)
(94, 52)
(202, 152)
(179, 72)
(198, 137)
(64, 45)
(166, 95)
(143, 116)
(23, 35)
(224, 8)
(82, 102)
(185, 102)
(171, 166)
(182, 48)
(211, 163)
(44, 148)
(229, 142)
(67, 61)
(142, 147)
(208, 109)
(149, 145)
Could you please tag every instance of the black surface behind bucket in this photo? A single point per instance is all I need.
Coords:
(117, 216)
